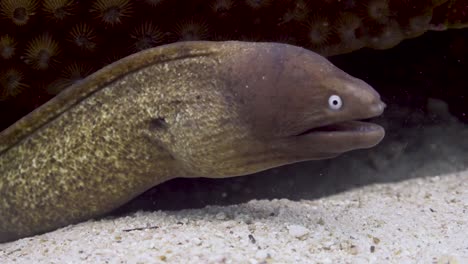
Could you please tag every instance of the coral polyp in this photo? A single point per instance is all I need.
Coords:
(146, 36)
(7, 47)
(11, 83)
(191, 29)
(41, 52)
(318, 32)
(347, 27)
(297, 12)
(83, 36)
(58, 9)
(112, 12)
(18, 11)
(378, 10)
(416, 25)
(388, 37)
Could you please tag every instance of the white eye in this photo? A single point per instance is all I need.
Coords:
(334, 102)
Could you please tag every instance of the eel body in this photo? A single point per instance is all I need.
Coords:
(189, 109)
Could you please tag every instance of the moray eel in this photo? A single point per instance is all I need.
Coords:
(188, 109)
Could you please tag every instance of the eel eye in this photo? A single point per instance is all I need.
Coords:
(334, 102)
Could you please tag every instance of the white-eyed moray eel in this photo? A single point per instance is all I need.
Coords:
(188, 109)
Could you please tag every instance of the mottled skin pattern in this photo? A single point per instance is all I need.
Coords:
(194, 109)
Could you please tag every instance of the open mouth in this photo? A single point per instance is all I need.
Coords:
(344, 127)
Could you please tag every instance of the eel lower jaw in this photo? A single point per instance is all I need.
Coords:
(344, 127)
(343, 136)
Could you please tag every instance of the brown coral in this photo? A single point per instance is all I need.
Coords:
(191, 29)
(18, 11)
(298, 11)
(145, 36)
(378, 10)
(41, 52)
(112, 12)
(11, 83)
(7, 47)
(83, 36)
(319, 31)
(222, 8)
(58, 9)
(107, 30)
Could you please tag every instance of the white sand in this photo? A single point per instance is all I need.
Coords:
(416, 221)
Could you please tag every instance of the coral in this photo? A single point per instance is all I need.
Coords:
(222, 8)
(41, 52)
(318, 32)
(416, 25)
(58, 9)
(297, 12)
(36, 36)
(112, 12)
(11, 83)
(378, 10)
(191, 29)
(7, 47)
(388, 37)
(146, 36)
(83, 36)
(18, 11)
(450, 14)
(347, 26)
(69, 76)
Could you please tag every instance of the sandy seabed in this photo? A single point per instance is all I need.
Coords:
(422, 220)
